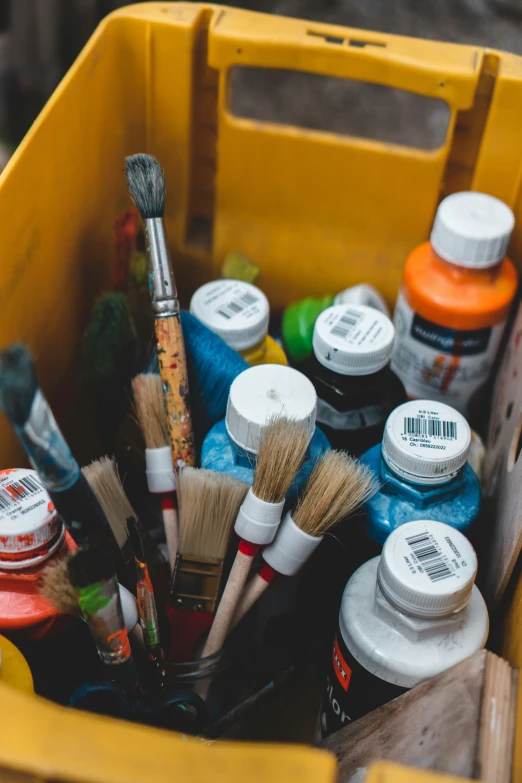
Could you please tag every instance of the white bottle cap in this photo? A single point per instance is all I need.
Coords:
(427, 569)
(30, 528)
(353, 339)
(472, 229)
(426, 442)
(362, 294)
(238, 312)
(291, 548)
(159, 470)
(257, 520)
(264, 391)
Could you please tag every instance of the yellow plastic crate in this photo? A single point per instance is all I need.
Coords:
(317, 211)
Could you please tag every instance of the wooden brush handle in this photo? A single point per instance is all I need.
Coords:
(170, 523)
(174, 378)
(254, 590)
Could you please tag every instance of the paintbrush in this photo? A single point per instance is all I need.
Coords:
(208, 504)
(147, 607)
(150, 412)
(281, 452)
(24, 404)
(146, 184)
(92, 576)
(337, 487)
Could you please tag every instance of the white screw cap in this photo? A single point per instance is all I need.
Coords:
(362, 294)
(472, 229)
(353, 339)
(238, 312)
(426, 442)
(264, 391)
(291, 548)
(427, 569)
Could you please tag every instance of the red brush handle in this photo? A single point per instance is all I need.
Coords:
(186, 630)
(267, 573)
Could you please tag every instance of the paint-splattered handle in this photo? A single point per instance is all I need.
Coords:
(173, 372)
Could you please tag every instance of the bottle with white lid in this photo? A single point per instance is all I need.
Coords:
(350, 369)
(239, 313)
(423, 470)
(454, 301)
(405, 616)
(256, 395)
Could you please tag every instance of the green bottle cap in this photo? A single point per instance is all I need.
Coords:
(298, 325)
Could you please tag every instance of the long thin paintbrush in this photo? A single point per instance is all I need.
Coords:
(24, 404)
(281, 452)
(337, 487)
(147, 188)
(150, 411)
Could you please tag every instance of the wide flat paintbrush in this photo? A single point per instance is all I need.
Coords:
(24, 404)
(146, 184)
(208, 504)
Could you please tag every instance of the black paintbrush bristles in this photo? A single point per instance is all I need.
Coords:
(17, 383)
(146, 185)
(90, 565)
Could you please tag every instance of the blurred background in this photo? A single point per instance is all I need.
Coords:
(39, 39)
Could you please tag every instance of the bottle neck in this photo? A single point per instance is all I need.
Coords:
(462, 272)
(419, 485)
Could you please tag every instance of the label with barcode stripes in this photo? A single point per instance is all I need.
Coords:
(432, 427)
(21, 491)
(430, 556)
(346, 324)
(13, 493)
(237, 306)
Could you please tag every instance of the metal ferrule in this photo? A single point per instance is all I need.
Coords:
(196, 583)
(162, 285)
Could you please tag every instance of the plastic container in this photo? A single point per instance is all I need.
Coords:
(405, 617)
(422, 466)
(454, 301)
(239, 313)
(350, 369)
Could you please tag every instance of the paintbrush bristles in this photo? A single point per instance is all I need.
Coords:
(146, 184)
(17, 383)
(337, 486)
(150, 410)
(56, 587)
(102, 475)
(280, 455)
(208, 504)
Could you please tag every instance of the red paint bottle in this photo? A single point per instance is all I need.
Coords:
(32, 536)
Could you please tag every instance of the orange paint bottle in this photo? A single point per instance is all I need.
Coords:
(454, 301)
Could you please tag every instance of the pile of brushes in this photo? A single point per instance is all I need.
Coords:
(178, 591)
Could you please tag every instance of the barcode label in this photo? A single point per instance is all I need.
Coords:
(237, 306)
(430, 427)
(16, 491)
(346, 324)
(434, 563)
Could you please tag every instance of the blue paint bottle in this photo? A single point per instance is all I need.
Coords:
(422, 465)
(255, 396)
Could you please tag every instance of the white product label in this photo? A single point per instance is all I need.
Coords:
(346, 324)
(440, 363)
(355, 329)
(428, 428)
(21, 492)
(231, 301)
(434, 558)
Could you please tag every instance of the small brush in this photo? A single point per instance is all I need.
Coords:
(337, 487)
(209, 503)
(102, 475)
(24, 404)
(92, 575)
(147, 607)
(281, 452)
(146, 184)
(150, 412)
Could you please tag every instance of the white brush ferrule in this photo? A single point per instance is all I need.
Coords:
(129, 607)
(291, 549)
(159, 470)
(258, 520)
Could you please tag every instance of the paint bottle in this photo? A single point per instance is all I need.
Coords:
(32, 536)
(454, 301)
(255, 396)
(350, 369)
(239, 313)
(405, 616)
(423, 470)
(299, 318)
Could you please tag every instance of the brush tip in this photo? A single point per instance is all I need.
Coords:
(90, 565)
(135, 538)
(17, 383)
(146, 184)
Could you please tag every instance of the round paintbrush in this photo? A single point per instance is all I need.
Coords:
(146, 184)
(150, 412)
(102, 475)
(281, 452)
(337, 487)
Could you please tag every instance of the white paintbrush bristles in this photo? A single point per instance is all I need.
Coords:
(150, 410)
(102, 475)
(280, 455)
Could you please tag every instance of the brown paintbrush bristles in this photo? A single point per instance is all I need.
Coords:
(337, 486)
(209, 503)
(280, 455)
(57, 588)
(102, 475)
(150, 410)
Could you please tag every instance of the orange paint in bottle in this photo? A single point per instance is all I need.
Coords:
(454, 301)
